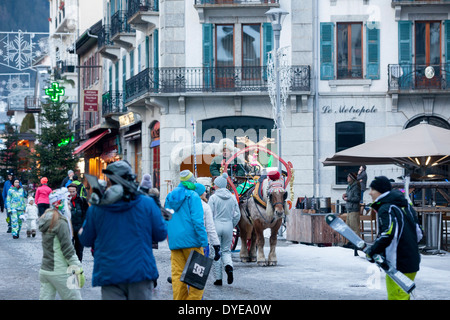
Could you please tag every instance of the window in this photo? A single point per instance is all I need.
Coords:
(348, 134)
(224, 45)
(251, 51)
(428, 43)
(349, 50)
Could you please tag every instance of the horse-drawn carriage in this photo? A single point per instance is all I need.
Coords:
(262, 196)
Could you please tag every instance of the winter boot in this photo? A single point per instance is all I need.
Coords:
(9, 229)
(28, 233)
(33, 233)
(229, 272)
(218, 282)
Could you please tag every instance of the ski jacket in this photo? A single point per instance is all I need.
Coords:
(8, 184)
(224, 207)
(213, 239)
(31, 212)
(121, 235)
(399, 232)
(78, 209)
(42, 194)
(58, 250)
(186, 229)
(236, 167)
(353, 197)
(16, 199)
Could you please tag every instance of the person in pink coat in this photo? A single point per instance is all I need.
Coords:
(41, 196)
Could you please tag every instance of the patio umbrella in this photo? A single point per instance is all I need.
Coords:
(420, 146)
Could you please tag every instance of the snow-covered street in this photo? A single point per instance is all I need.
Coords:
(304, 272)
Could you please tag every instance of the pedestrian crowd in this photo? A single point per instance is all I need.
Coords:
(189, 221)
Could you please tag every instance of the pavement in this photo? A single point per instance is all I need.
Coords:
(304, 272)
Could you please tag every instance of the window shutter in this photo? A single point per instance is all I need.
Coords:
(267, 45)
(326, 51)
(156, 60)
(404, 42)
(405, 53)
(208, 58)
(447, 44)
(373, 51)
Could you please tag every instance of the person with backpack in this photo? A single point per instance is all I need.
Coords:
(398, 236)
(81, 190)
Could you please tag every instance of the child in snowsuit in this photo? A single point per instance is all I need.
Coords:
(31, 215)
(226, 215)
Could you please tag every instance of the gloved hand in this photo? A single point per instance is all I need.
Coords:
(367, 250)
(216, 252)
(80, 277)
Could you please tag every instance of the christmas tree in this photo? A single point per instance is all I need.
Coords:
(9, 155)
(53, 155)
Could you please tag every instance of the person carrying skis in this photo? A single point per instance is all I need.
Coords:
(398, 235)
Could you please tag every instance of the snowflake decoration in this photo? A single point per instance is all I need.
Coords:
(14, 85)
(19, 51)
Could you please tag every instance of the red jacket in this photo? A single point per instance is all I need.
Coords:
(42, 194)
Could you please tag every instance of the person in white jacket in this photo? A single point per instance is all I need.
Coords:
(31, 216)
(226, 214)
(213, 239)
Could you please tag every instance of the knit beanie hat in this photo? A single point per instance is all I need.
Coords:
(118, 168)
(274, 175)
(221, 181)
(186, 175)
(146, 182)
(381, 184)
(200, 188)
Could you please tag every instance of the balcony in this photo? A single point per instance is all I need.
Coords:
(418, 79)
(143, 15)
(113, 103)
(218, 80)
(67, 68)
(233, 8)
(122, 34)
(32, 105)
(417, 6)
(411, 3)
(106, 47)
(65, 17)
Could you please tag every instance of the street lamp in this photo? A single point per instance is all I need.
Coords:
(276, 16)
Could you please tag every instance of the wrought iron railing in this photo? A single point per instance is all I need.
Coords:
(420, 2)
(134, 6)
(410, 77)
(113, 102)
(217, 79)
(241, 2)
(119, 23)
(104, 36)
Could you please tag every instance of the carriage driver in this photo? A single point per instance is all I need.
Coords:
(235, 168)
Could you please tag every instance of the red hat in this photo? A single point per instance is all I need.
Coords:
(44, 180)
(274, 175)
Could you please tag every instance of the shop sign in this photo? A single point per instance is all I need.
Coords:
(349, 110)
(126, 119)
(90, 100)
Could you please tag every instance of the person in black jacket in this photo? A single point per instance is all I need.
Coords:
(78, 207)
(398, 235)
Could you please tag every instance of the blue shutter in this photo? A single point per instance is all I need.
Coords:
(447, 47)
(373, 51)
(208, 56)
(405, 58)
(147, 52)
(156, 60)
(326, 51)
(267, 45)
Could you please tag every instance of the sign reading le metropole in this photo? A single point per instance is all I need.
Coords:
(90, 100)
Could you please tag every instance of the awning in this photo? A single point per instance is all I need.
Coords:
(90, 142)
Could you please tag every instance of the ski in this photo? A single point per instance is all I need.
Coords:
(338, 225)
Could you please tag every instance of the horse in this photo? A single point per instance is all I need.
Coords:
(262, 208)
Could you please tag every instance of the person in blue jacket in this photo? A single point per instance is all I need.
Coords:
(186, 231)
(122, 231)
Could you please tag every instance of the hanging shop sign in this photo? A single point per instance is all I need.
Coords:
(90, 100)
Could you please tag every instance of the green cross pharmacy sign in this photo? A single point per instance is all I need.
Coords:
(54, 92)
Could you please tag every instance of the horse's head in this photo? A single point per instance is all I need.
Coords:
(277, 197)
